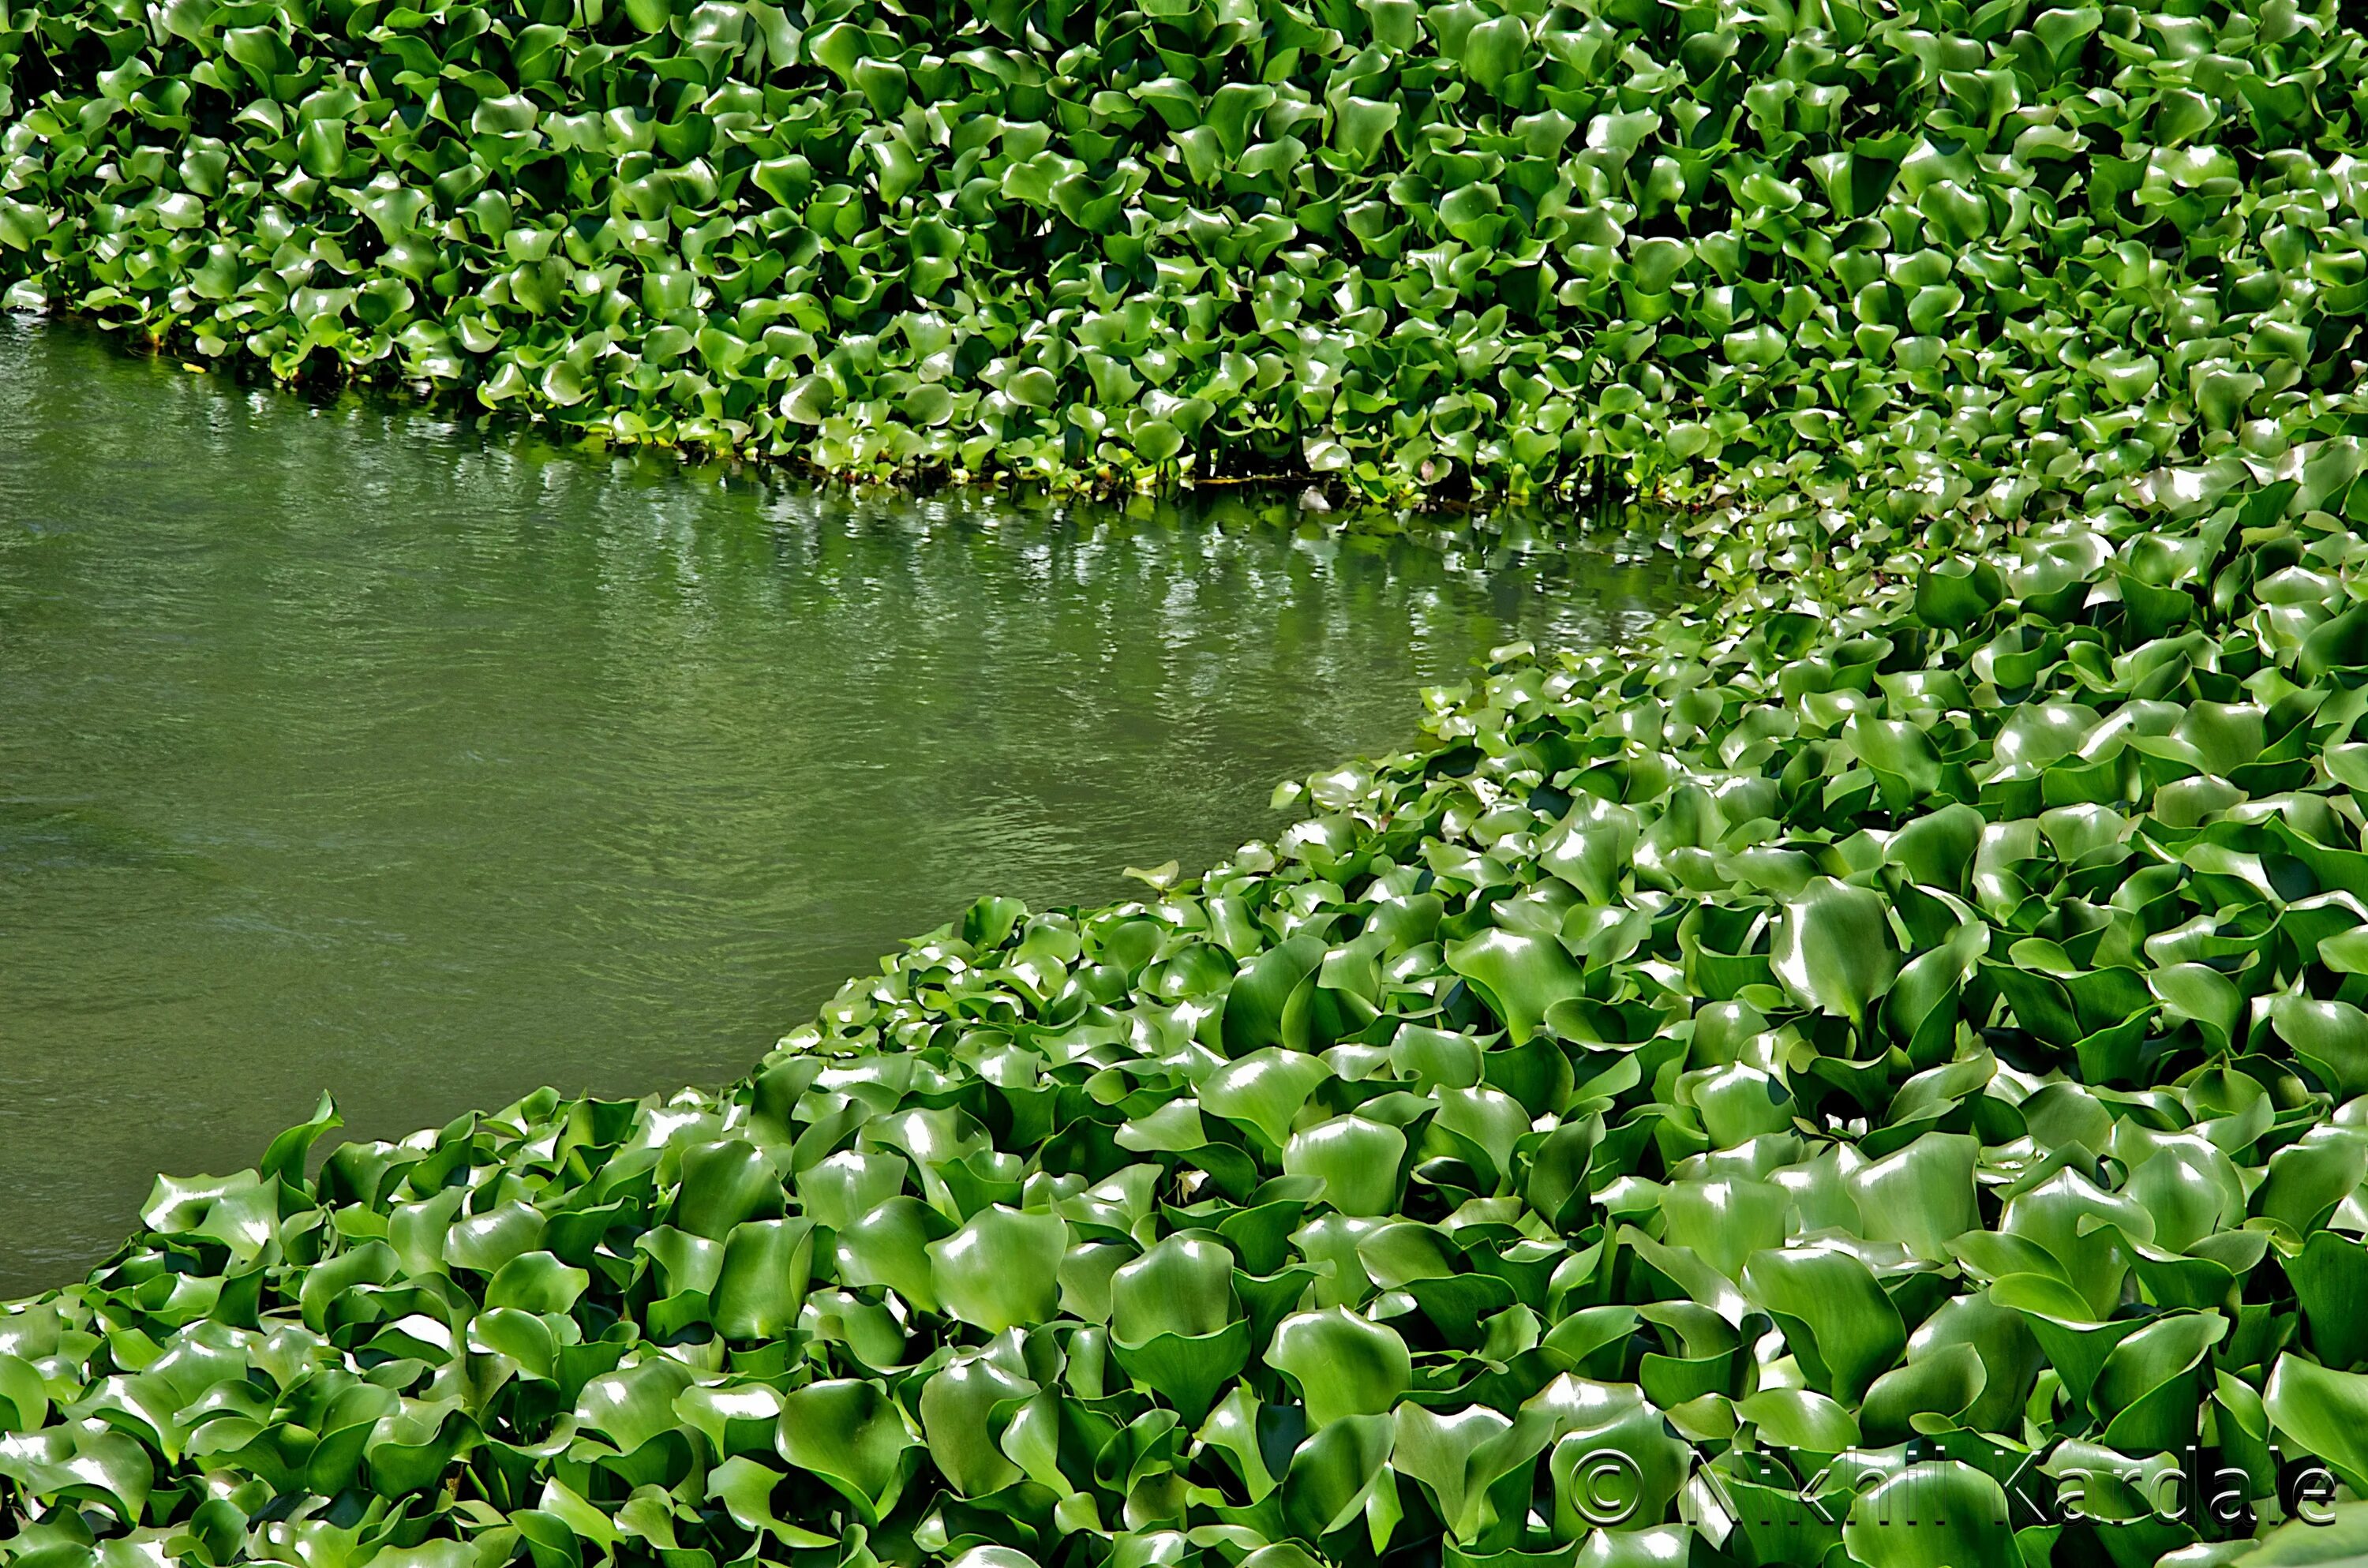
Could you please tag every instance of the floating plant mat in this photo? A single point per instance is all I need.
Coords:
(1875, 1082)
(2006, 250)
(1874, 1076)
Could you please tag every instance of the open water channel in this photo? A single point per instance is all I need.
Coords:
(347, 745)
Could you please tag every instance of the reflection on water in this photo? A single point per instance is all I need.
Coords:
(350, 746)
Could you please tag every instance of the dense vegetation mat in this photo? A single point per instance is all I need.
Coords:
(1877, 1081)
(1876, 1078)
(1991, 249)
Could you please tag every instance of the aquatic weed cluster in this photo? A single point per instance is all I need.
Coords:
(1875, 1081)
(1902, 1049)
(1876, 1078)
(1998, 249)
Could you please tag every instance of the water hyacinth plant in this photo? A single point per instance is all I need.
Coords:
(2004, 249)
(1875, 1076)
(1875, 1081)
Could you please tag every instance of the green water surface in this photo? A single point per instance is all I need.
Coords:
(357, 748)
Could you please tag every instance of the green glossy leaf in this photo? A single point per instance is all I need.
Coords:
(1183, 1286)
(850, 1435)
(1001, 1269)
(1944, 1515)
(1833, 950)
(1840, 1326)
(762, 1282)
(1521, 976)
(2324, 1412)
(1343, 1364)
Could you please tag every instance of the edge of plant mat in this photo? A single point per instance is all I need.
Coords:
(1913, 1028)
